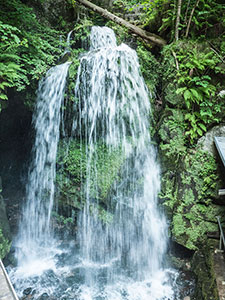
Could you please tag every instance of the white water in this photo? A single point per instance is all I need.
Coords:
(121, 259)
(114, 111)
(35, 237)
(68, 39)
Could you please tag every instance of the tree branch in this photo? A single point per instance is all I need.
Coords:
(151, 37)
(191, 16)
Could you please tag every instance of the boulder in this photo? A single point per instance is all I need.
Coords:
(207, 141)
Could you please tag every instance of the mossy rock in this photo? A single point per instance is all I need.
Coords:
(73, 166)
(171, 97)
(189, 190)
(171, 132)
(5, 235)
(202, 265)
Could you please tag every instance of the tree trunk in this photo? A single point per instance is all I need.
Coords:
(178, 20)
(190, 18)
(153, 38)
(186, 13)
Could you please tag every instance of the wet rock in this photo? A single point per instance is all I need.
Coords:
(202, 265)
(64, 58)
(44, 296)
(27, 291)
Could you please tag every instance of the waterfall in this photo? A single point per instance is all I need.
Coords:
(34, 229)
(114, 110)
(120, 242)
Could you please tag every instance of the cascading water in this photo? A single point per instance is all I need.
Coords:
(114, 112)
(121, 234)
(35, 236)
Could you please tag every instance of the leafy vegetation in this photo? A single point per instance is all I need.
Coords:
(73, 166)
(198, 80)
(189, 198)
(4, 245)
(27, 47)
(5, 236)
(186, 76)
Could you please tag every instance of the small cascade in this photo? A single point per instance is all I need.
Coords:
(67, 52)
(68, 40)
(68, 46)
(35, 236)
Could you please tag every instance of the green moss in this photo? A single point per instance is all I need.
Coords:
(5, 236)
(150, 67)
(202, 265)
(74, 168)
(5, 245)
(179, 226)
(188, 193)
(172, 135)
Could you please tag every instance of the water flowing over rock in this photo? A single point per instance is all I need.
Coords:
(34, 229)
(118, 251)
(115, 111)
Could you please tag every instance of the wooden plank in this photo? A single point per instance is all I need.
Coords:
(220, 145)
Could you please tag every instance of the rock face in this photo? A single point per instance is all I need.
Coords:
(207, 141)
(203, 266)
(57, 12)
(190, 182)
(5, 235)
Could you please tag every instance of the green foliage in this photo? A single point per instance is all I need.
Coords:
(149, 67)
(207, 20)
(73, 167)
(105, 216)
(73, 170)
(11, 72)
(61, 219)
(168, 19)
(196, 81)
(78, 44)
(82, 30)
(147, 9)
(107, 167)
(188, 194)
(4, 245)
(172, 135)
(27, 48)
(202, 169)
